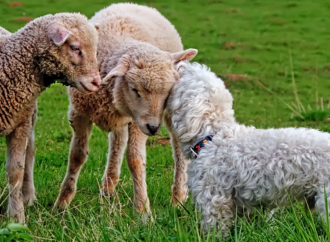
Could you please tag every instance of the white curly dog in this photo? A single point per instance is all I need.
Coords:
(238, 169)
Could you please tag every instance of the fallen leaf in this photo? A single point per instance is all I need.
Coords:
(275, 21)
(238, 59)
(164, 141)
(24, 19)
(236, 77)
(15, 4)
(228, 45)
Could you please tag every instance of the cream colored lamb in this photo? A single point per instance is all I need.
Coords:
(134, 49)
(54, 47)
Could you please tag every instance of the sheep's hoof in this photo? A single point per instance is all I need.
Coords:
(147, 218)
(20, 218)
(17, 215)
(107, 189)
(29, 199)
(61, 204)
(177, 198)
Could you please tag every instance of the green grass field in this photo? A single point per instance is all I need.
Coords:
(274, 57)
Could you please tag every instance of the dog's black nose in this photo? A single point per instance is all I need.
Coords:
(152, 129)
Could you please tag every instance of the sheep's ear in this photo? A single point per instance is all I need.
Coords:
(120, 70)
(58, 34)
(188, 55)
(95, 25)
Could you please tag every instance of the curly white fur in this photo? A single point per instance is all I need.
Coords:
(243, 168)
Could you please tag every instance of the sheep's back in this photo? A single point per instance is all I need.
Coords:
(141, 23)
(4, 32)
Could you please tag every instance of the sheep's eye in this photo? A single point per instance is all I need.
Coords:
(73, 47)
(136, 91)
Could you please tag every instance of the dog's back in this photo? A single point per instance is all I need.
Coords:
(260, 167)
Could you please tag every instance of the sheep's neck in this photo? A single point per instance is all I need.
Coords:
(18, 80)
(21, 50)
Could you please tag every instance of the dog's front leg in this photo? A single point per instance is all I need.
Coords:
(179, 187)
(136, 160)
(217, 213)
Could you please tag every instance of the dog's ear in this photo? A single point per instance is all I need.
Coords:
(120, 70)
(188, 55)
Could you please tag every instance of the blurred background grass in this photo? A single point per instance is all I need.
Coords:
(274, 58)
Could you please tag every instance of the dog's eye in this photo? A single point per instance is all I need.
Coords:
(136, 91)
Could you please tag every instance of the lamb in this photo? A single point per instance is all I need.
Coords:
(52, 47)
(237, 169)
(137, 68)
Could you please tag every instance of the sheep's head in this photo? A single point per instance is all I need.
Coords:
(72, 55)
(143, 81)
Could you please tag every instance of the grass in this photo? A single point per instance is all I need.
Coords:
(274, 57)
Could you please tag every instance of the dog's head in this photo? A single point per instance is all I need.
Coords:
(199, 102)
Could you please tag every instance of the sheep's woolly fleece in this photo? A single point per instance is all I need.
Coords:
(136, 52)
(243, 167)
(30, 62)
(129, 33)
(3, 32)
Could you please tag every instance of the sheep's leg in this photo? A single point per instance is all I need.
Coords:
(179, 188)
(82, 127)
(28, 188)
(136, 160)
(117, 144)
(16, 151)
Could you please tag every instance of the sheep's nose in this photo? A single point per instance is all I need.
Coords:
(152, 129)
(96, 81)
